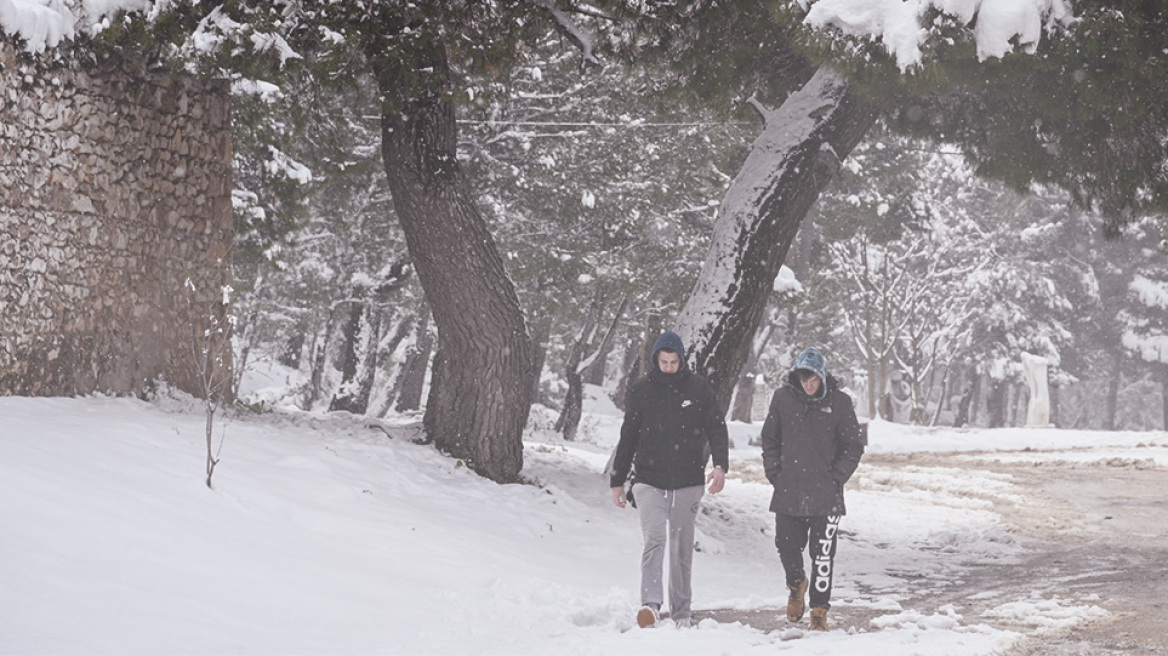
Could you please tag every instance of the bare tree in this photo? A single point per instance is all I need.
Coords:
(210, 328)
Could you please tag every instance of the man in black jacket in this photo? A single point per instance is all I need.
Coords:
(671, 415)
(811, 446)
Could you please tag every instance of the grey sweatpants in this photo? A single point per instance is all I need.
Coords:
(672, 514)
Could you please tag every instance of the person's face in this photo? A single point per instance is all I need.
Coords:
(668, 363)
(810, 382)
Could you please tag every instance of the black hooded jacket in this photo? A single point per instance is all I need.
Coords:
(669, 420)
(810, 447)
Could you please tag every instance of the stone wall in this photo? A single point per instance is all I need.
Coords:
(115, 189)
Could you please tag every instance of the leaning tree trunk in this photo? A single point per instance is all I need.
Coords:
(480, 389)
(789, 164)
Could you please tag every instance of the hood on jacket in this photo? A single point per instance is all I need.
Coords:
(810, 360)
(672, 341)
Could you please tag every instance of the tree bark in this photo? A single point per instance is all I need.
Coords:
(789, 164)
(596, 371)
(361, 347)
(1162, 371)
(942, 399)
(996, 403)
(480, 390)
(744, 395)
(1109, 422)
(744, 399)
(404, 327)
(569, 418)
(1055, 419)
(322, 346)
(541, 333)
(641, 350)
(358, 331)
(594, 374)
(413, 376)
(967, 399)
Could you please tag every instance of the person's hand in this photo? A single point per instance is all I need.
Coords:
(618, 497)
(717, 480)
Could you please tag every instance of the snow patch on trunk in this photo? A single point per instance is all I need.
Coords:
(787, 131)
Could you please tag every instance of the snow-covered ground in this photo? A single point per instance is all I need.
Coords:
(339, 535)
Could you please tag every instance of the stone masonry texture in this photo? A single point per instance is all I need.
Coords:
(115, 225)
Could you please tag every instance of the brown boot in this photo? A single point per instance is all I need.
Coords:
(818, 619)
(795, 605)
(646, 617)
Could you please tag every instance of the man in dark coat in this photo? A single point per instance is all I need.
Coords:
(671, 416)
(811, 446)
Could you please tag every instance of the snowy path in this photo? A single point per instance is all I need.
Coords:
(1088, 531)
(1095, 529)
(338, 534)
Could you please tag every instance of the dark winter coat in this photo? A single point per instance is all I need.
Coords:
(810, 447)
(669, 420)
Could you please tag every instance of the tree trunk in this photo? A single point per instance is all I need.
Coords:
(292, 349)
(996, 403)
(570, 414)
(1109, 422)
(247, 336)
(346, 361)
(361, 334)
(539, 340)
(361, 347)
(413, 376)
(480, 390)
(942, 399)
(744, 395)
(322, 346)
(630, 365)
(963, 415)
(595, 371)
(1055, 419)
(640, 349)
(594, 374)
(744, 399)
(1162, 369)
(789, 164)
(399, 334)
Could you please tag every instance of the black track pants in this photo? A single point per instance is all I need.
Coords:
(791, 538)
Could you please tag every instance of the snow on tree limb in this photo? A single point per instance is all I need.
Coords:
(566, 27)
(899, 24)
(776, 149)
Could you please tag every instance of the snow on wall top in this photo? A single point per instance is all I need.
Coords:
(45, 23)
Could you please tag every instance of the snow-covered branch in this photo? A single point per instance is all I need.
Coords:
(568, 28)
(901, 26)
